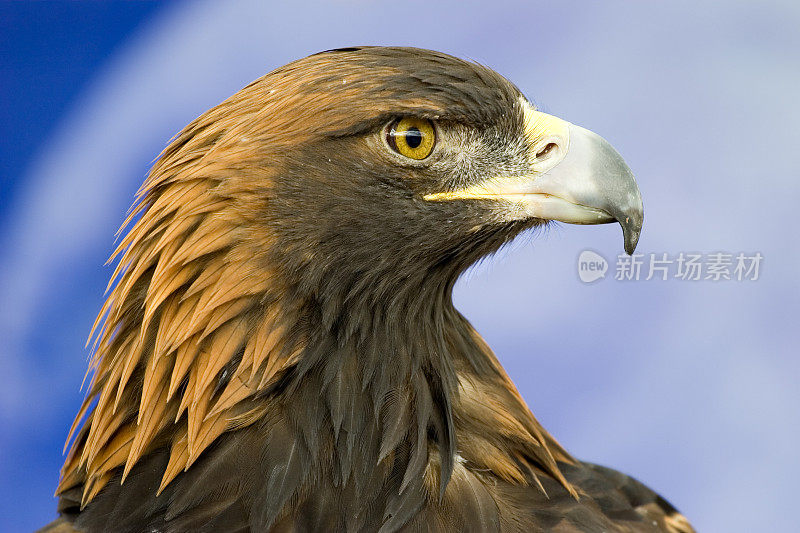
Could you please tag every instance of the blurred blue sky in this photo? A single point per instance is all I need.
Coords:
(690, 386)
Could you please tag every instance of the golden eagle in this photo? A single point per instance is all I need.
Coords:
(279, 350)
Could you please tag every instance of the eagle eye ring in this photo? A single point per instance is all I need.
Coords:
(411, 137)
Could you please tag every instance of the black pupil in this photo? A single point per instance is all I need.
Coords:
(413, 137)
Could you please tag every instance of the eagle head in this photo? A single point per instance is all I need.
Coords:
(385, 171)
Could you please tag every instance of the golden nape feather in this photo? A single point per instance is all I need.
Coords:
(279, 349)
(187, 299)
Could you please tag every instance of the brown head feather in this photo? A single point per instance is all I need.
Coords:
(189, 296)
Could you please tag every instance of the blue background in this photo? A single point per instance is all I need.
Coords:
(689, 386)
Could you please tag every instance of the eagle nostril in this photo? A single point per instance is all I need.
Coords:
(547, 150)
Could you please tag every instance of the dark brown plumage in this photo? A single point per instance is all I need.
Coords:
(280, 352)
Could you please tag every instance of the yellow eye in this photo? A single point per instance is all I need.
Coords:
(411, 137)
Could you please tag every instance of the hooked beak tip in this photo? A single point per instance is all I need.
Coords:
(630, 234)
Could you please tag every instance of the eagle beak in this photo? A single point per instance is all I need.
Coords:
(590, 184)
(575, 176)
